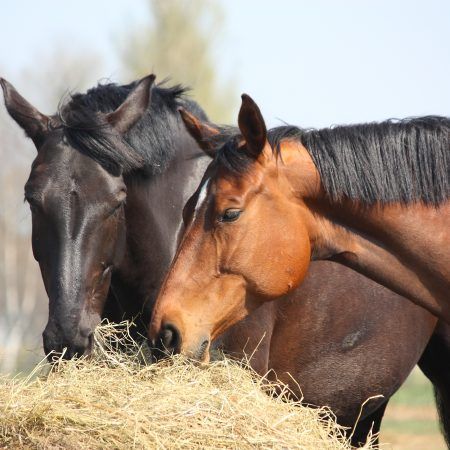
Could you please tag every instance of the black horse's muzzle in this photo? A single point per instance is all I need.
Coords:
(69, 344)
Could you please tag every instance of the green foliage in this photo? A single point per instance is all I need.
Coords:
(410, 421)
(178, 43)
(412, 426)
(417, 390)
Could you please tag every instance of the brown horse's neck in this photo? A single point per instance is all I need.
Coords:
(403, 247)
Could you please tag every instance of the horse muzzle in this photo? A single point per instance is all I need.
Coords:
(67, 344)
(169, 342)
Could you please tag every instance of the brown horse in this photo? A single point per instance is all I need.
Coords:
(373, 197)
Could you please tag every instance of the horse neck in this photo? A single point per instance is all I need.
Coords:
(403, 247)
(154, 218)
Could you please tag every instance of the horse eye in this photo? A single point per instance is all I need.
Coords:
(33, 204)
(230, 215)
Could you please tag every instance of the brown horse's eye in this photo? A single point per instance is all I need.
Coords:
(230, 215)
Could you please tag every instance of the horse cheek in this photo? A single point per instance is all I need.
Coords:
(298, 258)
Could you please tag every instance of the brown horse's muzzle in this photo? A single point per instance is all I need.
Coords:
(169, 342)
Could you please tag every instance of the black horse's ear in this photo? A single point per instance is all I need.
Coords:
(252, 126)
(33, 122)
(134, 106)
(202, 132)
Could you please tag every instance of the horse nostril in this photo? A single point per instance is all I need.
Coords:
(168, 342)
(170, 339)
(166, 338)
(202, 349)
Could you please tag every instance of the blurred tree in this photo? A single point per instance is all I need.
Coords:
(178, 43)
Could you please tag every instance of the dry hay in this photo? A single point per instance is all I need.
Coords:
(114, 400)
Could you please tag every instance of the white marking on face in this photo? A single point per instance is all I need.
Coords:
(201, 196)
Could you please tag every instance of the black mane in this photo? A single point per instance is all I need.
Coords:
(393, 161)
(149, 145)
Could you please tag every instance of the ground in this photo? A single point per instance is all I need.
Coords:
(411, 421)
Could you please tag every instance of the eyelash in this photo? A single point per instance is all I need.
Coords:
(230, 215)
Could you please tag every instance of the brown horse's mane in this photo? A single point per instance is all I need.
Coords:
(402, 161)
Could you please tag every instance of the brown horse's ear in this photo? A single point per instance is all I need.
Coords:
(202, 132)
(252, 126)
(33, 122)
(134, 106)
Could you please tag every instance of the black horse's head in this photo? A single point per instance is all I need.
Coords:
(76, 194)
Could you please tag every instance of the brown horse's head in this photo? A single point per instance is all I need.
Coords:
(244, 243)
(77, 206)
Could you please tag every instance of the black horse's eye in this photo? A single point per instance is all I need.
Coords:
(230, 215)
(32, 203)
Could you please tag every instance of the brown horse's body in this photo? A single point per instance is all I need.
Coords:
(403, 248)
(307, 342)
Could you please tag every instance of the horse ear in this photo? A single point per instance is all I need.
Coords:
(252, 126)
(202, 132)
(33, 122)
(134, 106)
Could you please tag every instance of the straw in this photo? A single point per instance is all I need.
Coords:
(116, 400)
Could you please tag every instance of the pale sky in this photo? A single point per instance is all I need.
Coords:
(309, 63)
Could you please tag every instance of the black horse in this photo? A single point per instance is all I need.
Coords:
(113, 170)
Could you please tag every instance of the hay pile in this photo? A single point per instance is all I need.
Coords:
(114, 400)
